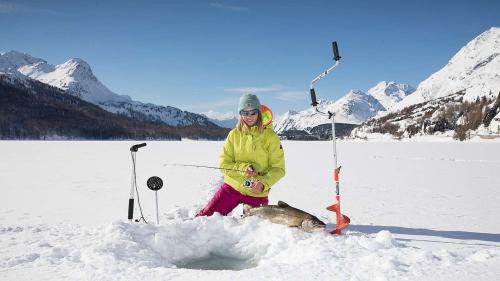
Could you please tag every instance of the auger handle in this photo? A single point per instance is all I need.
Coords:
(336, 54)
(136, 147)
(336, 57)
(313, 98)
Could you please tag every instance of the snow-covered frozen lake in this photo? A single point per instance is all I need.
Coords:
(419, 211)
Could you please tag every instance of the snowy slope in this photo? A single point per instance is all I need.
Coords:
(76, 77)
(390, 93)
(13, 60)
(67, 222)
(475, 69)
(354, 108)
(151, 112)
(225, 120)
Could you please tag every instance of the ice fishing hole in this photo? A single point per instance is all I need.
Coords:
(217, 262)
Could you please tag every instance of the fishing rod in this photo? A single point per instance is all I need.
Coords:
(342, 220)
(201, 166)
(246, 182)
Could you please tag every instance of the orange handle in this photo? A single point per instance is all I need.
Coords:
(336, 173)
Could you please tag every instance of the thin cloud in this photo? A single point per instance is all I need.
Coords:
(277, 91)
(12, 8)
(291, 95)
(226, 7)
(219, 115)
(255, 89)
(213, 104)
(7, 8)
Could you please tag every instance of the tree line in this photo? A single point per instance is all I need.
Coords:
(33, 110)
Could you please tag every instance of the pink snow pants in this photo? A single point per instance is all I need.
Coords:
(227, 198)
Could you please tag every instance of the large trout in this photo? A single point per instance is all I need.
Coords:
(287, 215)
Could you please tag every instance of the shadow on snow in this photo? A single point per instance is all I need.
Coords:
(451, 234)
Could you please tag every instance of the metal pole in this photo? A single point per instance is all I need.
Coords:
(157, 215)
(132, 185)
(323, 74)
(335, 164)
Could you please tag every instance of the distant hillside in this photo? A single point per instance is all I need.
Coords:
(33, 110)
(319, 132)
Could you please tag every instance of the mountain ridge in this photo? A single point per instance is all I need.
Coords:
(459, 100)
(353, 108)
(76, 77)
(30, 109)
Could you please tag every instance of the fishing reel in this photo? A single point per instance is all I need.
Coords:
(154, 183)
(248, 182)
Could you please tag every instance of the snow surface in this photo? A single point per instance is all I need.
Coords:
(419, 211)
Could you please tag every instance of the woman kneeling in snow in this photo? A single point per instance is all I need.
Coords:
(252, 161)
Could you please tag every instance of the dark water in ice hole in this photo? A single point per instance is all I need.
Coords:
(218, 262)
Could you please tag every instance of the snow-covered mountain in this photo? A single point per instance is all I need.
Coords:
(13, 60)
(390, 93)
(75, 76)
(475, 69)
(457, 100)
(354, 108)
(224, 120)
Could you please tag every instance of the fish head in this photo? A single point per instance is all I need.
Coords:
(312, 225)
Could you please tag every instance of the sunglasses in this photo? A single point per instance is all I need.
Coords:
(249, 112)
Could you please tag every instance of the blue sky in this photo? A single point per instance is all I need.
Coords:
(201, 55)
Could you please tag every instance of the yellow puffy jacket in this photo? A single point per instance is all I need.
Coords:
(262, 151)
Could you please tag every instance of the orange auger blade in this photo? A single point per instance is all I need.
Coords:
(342, 220)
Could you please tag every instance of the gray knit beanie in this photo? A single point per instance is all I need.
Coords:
(248, 102)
